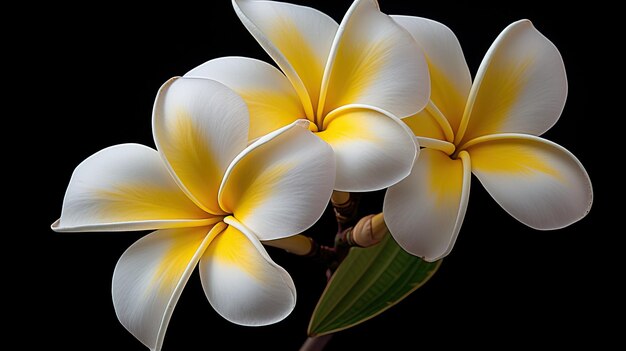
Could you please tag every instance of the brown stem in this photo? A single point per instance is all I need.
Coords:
(345, 206)
(316, 343)
(300, 245)
(368, 231)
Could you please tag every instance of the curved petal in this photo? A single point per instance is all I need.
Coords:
(376, 62)
(536, 181)
(436, 144)
(150, 276)
(520, 86)
(430, 123)
(373, 150)
(424, 212)
(199, 127)
(242, 282)
(450, 79)
(281, 184)
(271, 99)
(298, 38)
(126, 187)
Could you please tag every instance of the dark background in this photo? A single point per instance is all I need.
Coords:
(95, 75)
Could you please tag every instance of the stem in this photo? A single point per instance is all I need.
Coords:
(305, 246)
(316, 343)
(369, 231)
(298, 244)
(345, 206)
(339, 197)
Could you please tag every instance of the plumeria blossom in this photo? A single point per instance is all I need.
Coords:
(351, 81)
(212, 200)
(490, 128)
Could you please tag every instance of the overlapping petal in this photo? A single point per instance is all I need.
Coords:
(536, 181)
(449, 75)
(298, 38)
(373, 150)
(126, 187)
(150, 276)
(374, 62)
(520, 86)
(424, 212)
(199, 127)
(272, 101)
(281, 184)
(242, 282)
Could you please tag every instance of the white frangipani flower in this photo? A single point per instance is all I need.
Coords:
(351, 81)
(212, 200)
(489, 128)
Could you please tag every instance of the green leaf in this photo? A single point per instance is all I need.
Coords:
(368, 282)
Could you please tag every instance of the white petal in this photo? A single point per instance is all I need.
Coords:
(280, 185)
(373, 150)
(298, 38)
(450, 79)
(150, 276)
(520, 86)
(536, 181)
(126, 187)
(242, 282)
(424, 212)
(272, 101)
(199, 127)
(375, 62)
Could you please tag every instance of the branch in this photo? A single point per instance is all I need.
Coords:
(345, 206)
(369, 231)
(316, 343)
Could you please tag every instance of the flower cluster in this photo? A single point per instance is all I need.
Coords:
(247, 153)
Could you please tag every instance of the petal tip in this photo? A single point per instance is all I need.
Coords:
(303, 123)
(56, 226)
(433, 259)
(429, 256)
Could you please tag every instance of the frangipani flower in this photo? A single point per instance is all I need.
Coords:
(211, 199)
(489, 128)
(350, 80)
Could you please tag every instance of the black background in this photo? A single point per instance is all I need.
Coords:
(95, 76)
